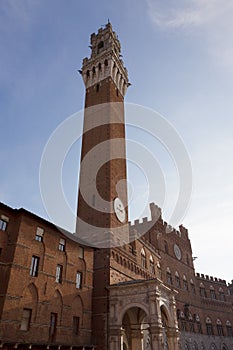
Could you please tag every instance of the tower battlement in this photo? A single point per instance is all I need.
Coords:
(105, 60)
(210, 278)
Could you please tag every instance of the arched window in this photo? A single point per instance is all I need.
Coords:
(152, 266)
(183, 325)
(177, 280)
(212, 293)
(209, 327)
(93, 70)
(229, 329)
(219, 327)
(100, 47)
(99, 66)
(185, 283)
(198, 323)
(169, 276)
(221, 294)
(191, 322)
(106, 62)
(192, 287)
(159, 270)
(143, 258)
(165, 247)
(202, 290)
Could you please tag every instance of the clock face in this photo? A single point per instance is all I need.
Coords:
(119, 210)
(177, 252)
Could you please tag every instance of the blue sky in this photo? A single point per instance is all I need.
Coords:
(179, 55)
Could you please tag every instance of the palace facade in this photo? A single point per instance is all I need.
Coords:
(113, 284)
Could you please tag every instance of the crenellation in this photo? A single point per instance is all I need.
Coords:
(105, 61)
(210, 278)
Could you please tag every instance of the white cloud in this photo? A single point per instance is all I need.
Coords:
(211, 18)
(183, 13)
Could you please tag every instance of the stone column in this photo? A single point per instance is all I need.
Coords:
(173, 338)
(156, 337)
(115, 338)
(137, 339)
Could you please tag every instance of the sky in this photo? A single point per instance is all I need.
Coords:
(179, 55)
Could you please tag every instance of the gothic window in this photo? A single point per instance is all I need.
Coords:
(159, 270)
(229, 329)
(192, 286)
(165, 247)
(59, 273)
(219, 328)
(34, 266)
(143, 258)
(106, 62)
(209, 327)
(53, 325)
(100, 46)
(3, 225)
(88, 73)
(169, 276)
(26, 319)
(62, 245)
(76, 322)
(202, 290)
(79, 280)
(81, 252)
(183, 325)
(212, 293)
(99, 66)
(191, 324)
(221, 294)
(39, 234)
(198, 322)
(199, 328)
(185, 283)
(152, 266)
(177, 280)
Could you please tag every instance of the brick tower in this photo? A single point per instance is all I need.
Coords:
(102, 200)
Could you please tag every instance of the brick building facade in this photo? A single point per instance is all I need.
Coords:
(46, 284)
(121, 290)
